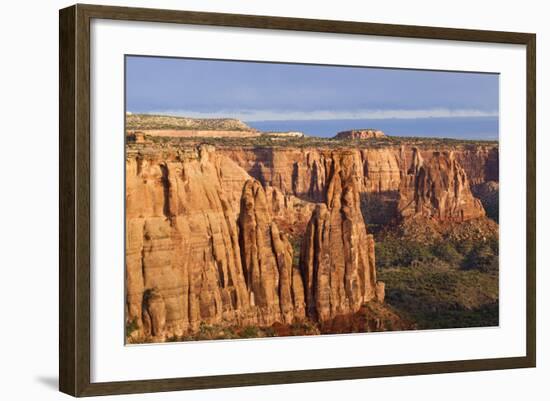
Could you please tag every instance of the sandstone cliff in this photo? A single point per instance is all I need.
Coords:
(196, 225)
(437, 188)
(360, 134)
(337, 255)
(304, 172)
(275, 287)
(277, 235)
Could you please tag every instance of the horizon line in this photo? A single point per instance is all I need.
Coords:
(321, 115)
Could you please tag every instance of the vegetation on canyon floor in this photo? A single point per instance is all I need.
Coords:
(441, 298)
(392, 250)
(446, 284)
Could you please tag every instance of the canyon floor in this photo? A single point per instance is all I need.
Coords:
(263, 236)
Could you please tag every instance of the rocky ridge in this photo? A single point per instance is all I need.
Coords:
(204, 246)
(360, 134)
(304, 172)
(165, 122)
(212, 232)
(437, 189)
(337, 255)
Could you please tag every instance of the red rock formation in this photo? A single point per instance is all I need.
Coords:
(382, 170)
(437, 188)
(289, 212)
(481, 163)
(209, 231)
(337, 257)
(182, 238)
(273, 287)
(183, 257)
(303, 172)
(360, 134)
(154, 314)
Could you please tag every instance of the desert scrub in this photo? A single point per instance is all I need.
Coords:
(446, 251)
(393, 251)
(249, 332)
(436, 297)
(269, 332)
(131, 327)
(314, 142)
(156, 121)
(483, 257)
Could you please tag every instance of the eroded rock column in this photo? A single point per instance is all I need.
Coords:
(337, 257)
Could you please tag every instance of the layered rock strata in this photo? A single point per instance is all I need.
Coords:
(213, 236)
(202, 246)
(360, 134)
(437, 188)
(275, 287)
(337, 257)
(304, 172)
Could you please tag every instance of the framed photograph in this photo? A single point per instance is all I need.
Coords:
(250, 200)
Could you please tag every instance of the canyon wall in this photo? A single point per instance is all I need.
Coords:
(337, 255)
(275, 286)
(257, 236)
(437, 188)
(304, 172)
(201, 246)
(207, 243)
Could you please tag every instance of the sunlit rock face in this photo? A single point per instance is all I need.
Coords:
(202, 246)
(257, 236)
(337, 253)
(360, 134)
(437, 188)
(304, 172)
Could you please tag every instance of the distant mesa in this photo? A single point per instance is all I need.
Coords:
(136, 137)
(158, 122)
(185, 127)
(285, 134)
(360, 134)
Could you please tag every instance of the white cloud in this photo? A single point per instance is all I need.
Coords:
(268, 115)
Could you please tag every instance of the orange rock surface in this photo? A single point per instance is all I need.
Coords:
(202, 246)
(360, 134)
(337, 253)
(213, 234)
(437, 188)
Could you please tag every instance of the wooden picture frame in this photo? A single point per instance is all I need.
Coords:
(74, 199)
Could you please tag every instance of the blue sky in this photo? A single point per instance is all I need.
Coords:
(259, 92)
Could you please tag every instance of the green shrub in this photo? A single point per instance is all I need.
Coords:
(483, 258)
(465, 246)
(442, 298)
(250, 332)
(446, 251)
(296, 242)
(393, 252)
(131, 326)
